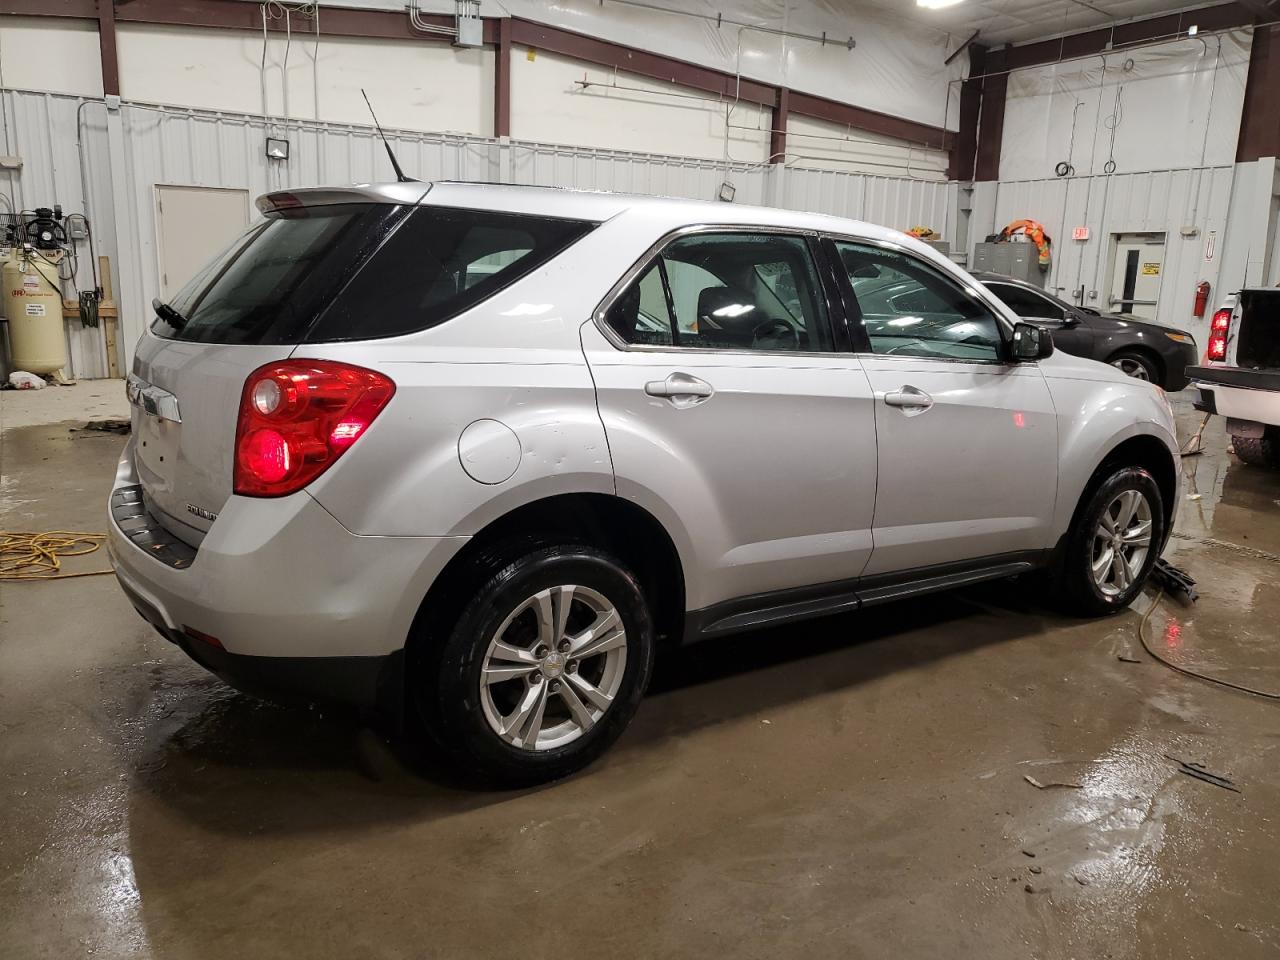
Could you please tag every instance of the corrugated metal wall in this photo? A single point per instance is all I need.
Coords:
(176, 146)
(1162, 201)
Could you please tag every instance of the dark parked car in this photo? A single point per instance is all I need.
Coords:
(1141, 348)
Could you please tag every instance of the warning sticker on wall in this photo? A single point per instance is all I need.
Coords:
(35, 309)
(1151, 269)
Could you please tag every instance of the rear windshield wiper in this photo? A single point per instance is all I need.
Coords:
(168, 314)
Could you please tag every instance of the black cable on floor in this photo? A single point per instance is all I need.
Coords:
(1142, 638)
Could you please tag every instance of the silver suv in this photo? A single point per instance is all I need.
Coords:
(472, 454)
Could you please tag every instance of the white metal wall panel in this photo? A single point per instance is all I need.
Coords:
(42, 131)
(1163, 201)
(888, 201)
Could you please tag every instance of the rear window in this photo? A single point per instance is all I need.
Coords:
(273, 281)
(361, 272)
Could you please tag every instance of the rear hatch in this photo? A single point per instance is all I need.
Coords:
(250, 306)
(1258, 330)
(323, 267)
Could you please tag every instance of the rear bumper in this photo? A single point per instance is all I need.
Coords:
(1252, 395)
(297, 604)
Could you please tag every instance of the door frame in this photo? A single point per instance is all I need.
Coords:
(1113, 247)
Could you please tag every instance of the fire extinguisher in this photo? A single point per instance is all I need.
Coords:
(1202, 299)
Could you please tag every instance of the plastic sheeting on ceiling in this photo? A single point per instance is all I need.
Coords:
(896, 68)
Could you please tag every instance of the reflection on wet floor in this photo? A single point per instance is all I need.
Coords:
(849, 787)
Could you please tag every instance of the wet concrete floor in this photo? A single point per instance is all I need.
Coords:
(852, 788)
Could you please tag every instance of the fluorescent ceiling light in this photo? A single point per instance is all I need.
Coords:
(936, 4)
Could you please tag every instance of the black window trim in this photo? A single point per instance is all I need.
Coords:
(835, 311)
(857, 333)
(1028, 290)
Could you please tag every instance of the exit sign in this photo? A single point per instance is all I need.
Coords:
(1080, 233)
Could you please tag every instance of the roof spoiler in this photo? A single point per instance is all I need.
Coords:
(285, 200)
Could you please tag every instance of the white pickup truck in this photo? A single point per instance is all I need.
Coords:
(1240, 378)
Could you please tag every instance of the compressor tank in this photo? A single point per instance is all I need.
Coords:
(33, 306)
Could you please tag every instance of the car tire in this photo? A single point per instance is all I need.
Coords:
(1263, 451)
(503, 632)
(1090, 584)
(1134, 363)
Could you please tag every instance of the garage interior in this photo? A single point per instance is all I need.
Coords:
(973, 774)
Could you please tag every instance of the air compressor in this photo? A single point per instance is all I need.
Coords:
(35, 253)
(33, 306)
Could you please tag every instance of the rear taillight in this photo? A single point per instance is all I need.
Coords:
(297, 417)
(1217, 347)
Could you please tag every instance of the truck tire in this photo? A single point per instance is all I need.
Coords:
(1263, 451)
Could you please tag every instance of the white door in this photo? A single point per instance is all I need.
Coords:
(193, 225)
(967, 441)
(1136, 274)
(729, 416)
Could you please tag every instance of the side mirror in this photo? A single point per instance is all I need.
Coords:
(1070, 319)
(1031, 342)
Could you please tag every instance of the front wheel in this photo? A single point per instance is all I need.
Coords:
(1134, 364)
(1114, 544)
(544, 668)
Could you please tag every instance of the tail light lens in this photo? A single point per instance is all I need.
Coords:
(1217, 347)
(299, 416)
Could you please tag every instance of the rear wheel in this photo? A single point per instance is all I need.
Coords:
(1263, 451)
(544, 668)
(1135, 364)
(1114, 544)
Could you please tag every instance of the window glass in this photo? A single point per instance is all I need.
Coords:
(909, 308)
(1026, 303)
(641, 314)
(731, 291)
(271, 283)
(440, 262)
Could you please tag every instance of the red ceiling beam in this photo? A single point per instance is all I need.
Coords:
(872, 121)
(107, 47)
(964, 156)
(778, 126)
(79, 9)
(995, 88)
(654, 66)
(237, 15)
(1260, 117)
(1221, 17)
(502, 81)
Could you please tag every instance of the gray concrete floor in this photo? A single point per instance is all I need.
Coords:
(854, 788)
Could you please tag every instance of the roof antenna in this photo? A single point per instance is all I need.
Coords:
(386, 143)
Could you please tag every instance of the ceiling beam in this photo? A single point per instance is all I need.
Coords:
(1220, 17)
(107, 48)
(654, 66)
(871, 121)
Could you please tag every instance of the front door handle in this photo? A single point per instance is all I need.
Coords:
(682, 389)
(910, 399)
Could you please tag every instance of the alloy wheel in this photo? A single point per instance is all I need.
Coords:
(1121, 542)
(553, 667)
(1131, 368)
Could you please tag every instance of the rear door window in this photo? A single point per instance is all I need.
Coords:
(438, 263)
(727, 291)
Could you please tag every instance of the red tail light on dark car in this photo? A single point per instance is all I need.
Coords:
(1217, 347)
(297, 417)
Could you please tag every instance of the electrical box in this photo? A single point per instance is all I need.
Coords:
(1017, 260)
(470, 32)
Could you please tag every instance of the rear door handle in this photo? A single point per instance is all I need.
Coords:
(910, 399)
(682, 389)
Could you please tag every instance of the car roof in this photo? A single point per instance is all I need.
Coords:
(573, 203)
(986, 276)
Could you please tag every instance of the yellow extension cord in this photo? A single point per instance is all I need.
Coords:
(38, 556)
